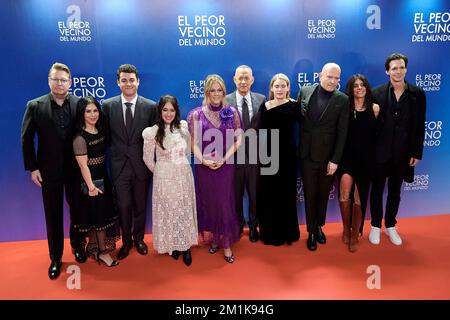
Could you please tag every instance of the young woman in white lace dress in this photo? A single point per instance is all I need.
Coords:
(173, 200)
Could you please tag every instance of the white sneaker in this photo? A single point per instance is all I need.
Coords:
(394, 236)
(374, 236)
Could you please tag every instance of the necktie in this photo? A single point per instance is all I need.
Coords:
(245, 114)
(128, 117)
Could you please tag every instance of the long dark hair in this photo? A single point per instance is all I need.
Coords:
(368, 99)
(81, 108)
(160, 134)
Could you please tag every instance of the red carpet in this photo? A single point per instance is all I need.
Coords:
(419, 269)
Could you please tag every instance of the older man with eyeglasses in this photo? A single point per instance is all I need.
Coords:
(51, 118)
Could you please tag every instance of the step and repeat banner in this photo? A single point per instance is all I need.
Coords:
(176, 44)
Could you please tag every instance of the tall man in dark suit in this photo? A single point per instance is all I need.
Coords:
(52, 118)
(323, 130)
(128, 115)
(399, 144)
(247, 169)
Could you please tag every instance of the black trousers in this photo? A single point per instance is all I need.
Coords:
(394, 173)
(53, 199)
(131, 201)
(246, 177)
(316, 188)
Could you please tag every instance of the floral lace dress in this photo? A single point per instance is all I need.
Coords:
(174, 212)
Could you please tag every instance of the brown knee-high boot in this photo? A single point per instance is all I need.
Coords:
(345, 213)
(356, 223)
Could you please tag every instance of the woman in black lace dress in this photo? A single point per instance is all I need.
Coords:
(94, 213)
(357, 164)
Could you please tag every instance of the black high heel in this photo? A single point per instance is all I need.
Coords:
(175, 254)
(187, 257)
(229, 259)
(213, 249)
(100, 260)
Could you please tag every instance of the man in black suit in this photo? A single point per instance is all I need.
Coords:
(247, 169)
(399, 144)
(128, 115)
(52, 118)
(323, 130)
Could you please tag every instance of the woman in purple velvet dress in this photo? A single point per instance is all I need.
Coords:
(216, 134)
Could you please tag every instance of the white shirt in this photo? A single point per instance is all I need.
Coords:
(249, 103)
(124, 107)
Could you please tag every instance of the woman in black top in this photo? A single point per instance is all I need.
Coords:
(357, 163)
(94, 213)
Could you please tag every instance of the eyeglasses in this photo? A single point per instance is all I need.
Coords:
(60, 81)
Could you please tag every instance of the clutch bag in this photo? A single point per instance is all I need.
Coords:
(100, 184)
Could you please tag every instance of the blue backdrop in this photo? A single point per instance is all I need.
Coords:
(175, 44)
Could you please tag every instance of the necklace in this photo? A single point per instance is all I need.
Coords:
(358, 109)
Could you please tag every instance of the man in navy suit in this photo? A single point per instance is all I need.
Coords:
(247, 171)
(399, 145)
(128, 115)
(53, 167)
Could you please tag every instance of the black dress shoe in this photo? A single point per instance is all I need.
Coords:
(311, 242)
(187, 258)
(321, 236)
(253, 235)
(55, 269)
(80, 254)
(141, 247)
(123, 253)
(175, 254)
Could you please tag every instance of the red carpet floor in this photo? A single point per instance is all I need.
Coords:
(419, 269)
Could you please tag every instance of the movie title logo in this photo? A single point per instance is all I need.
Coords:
(89, 86)
(197, 89)
(429, 81)
(431, 27)
(433, 133)
(202, 30)
(74, 29)
(321, 29)
(421, 182)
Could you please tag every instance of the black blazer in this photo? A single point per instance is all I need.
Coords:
(410, 128)
(123, 147)
(53, 154)
(323, 140)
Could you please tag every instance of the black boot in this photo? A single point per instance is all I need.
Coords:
(321, 236)
(311, 243)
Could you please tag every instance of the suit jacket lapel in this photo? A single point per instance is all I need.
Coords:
(304, 103)
(254, 103)
(120, 116)
(137, 114)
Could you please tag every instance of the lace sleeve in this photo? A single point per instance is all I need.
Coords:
(149, 147)
(193, 122)
(79, 146)
(184, 129)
